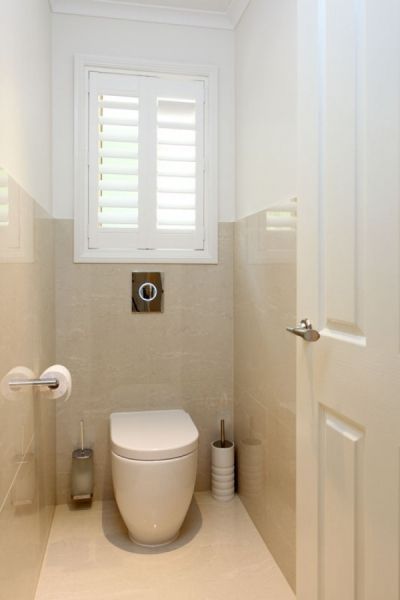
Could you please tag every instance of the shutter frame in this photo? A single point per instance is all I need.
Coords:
(114, 250)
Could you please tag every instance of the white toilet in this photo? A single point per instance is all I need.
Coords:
(154, 464)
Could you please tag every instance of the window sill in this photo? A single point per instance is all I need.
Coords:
(146, 257)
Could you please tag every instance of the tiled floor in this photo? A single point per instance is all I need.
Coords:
(219, 555)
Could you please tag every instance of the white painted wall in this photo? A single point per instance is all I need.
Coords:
(151, 41)
(25, 107)
(266, 82)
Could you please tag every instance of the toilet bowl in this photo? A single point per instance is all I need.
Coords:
(154, 465)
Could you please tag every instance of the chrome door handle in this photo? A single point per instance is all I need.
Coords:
(305, 330)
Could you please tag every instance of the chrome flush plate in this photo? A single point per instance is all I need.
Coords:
(147, 292)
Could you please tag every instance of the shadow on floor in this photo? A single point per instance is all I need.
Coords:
(117, 534)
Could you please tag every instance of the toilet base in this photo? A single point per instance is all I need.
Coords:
(135, 541)
(153, 496)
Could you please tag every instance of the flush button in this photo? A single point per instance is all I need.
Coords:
(147, 292)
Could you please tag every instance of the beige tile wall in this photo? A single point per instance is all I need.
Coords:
(265, 401)
(184, 358)
(124, 361)
(27, 420)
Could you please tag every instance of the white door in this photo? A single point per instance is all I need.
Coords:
(348, 277)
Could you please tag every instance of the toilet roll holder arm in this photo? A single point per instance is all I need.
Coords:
(51, 382)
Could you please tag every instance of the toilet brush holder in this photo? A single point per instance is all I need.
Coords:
(223, 470)
(82, 472)
(82, 475)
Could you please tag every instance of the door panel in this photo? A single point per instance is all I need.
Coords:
(341, 158)
(348, 392)
(341, 496)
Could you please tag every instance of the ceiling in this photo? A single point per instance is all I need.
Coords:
(221, 14)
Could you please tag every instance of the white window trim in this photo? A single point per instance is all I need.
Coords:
(82, 252)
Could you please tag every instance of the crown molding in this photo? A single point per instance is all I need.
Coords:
(236, 10)
(120, 9)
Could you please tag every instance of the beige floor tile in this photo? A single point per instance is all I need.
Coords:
(219, 554)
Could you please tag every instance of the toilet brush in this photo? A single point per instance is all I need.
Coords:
(81, 435)
(222, 433)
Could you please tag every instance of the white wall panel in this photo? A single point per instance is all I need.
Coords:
(25, 111)
(266, 105)
(144, 41)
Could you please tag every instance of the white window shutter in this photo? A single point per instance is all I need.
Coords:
(114, 160)
(10, 213)
(180, 164)
(146, 162)
(4, 202)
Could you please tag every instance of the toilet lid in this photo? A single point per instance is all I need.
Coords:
(153, 435)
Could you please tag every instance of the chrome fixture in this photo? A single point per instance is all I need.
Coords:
(147, 292)
(51, 383)
(82, 472)
(305, 330)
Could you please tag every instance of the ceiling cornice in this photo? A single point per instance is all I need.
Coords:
(119, 9)
(236, 10)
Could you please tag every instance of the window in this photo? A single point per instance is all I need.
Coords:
(16, 221)
(4, 206)
(145, 193)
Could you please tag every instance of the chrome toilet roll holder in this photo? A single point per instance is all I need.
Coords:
(51, 382)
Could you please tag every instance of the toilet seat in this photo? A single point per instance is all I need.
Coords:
(153, 435)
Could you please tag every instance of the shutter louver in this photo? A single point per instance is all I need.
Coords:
(118, 168)
(282, 217)
(4, 202)
(176, 164)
